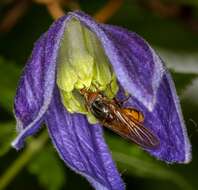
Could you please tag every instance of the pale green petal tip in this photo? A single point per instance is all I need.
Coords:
(91, 119)
(82, 63)
(83, 66)
(73, 102)
(112, 88)
(66, 80)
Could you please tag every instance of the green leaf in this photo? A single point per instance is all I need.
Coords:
(48, 169)
(183, 67)
(9, 75)
(134, 161)
(180, 61)
(7, 134)
(183, 80)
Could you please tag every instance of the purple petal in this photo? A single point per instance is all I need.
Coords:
(141, 72)
(82, 146)
(167, 123)
(79, 144)
(36, 85)
(135, 63)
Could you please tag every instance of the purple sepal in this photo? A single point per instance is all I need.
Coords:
(35, 89)
(139, 71)
(81, 146)
(165, 121)
(137, 66)
(35, 94)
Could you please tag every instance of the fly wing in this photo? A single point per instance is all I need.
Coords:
(133, 114)
(131, 130)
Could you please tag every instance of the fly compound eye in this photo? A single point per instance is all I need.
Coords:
(98, 102)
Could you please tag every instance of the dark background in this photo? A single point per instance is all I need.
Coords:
(171, 27)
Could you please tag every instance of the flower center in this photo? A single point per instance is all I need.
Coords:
(82, 63)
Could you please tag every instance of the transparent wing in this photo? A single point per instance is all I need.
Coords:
(134, 114)
(125, 126)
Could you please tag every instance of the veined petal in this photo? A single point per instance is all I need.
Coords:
(142, 74)
(166, 121)
(82, 63)
(138, 68)
(142, 69)
(82, 146)
(36, 85)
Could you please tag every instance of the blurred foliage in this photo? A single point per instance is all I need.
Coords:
(134, 161)
(9, 75)
(47, 159)
(7, 133)
(183, 80)
(168, 34)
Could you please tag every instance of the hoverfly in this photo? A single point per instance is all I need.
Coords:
(127, 122)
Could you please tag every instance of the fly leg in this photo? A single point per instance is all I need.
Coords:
(121, 102)
(124, 100)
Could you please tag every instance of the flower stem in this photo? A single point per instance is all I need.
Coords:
(53, 7)
(33, 147)
(55, 10)
(108, 10)
(13, 15)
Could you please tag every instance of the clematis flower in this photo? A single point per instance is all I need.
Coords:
(77, 52)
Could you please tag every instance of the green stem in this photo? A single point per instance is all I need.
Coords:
(33, 147)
